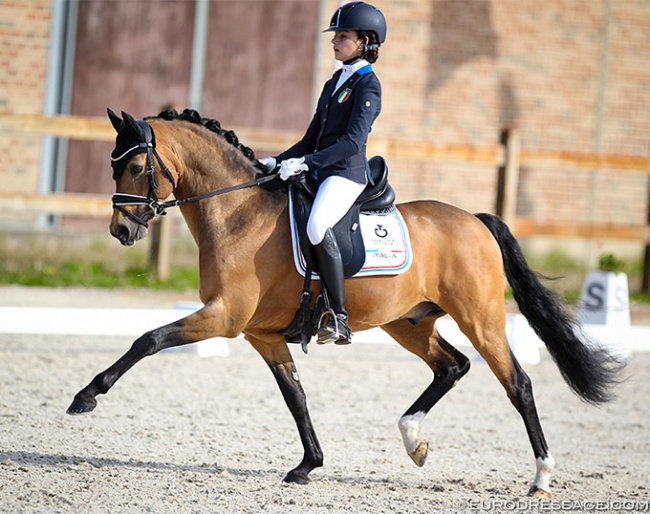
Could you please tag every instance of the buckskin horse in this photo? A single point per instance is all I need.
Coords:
(249, 284)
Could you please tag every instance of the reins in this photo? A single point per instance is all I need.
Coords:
(121, 200)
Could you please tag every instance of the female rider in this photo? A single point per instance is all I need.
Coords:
(333, 149)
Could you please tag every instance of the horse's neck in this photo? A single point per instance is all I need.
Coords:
(234, 223)
(232, 235)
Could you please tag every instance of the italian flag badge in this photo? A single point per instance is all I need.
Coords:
(345, 94)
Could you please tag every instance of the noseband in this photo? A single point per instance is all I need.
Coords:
(158, 208)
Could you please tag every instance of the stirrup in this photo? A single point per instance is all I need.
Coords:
(335, 331)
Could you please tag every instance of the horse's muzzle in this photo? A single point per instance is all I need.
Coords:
(127, 232)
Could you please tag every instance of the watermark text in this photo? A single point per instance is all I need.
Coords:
(542, 505)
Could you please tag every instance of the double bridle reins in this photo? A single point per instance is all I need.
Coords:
(158, 208)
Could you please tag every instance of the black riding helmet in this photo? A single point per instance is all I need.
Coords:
(359, 16)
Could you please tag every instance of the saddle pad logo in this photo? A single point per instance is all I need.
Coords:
(345, 94)
(380, 231)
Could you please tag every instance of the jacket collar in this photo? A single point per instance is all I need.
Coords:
(348, 72)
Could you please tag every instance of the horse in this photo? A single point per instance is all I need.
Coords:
(249, 284)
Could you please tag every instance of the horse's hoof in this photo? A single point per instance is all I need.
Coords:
(536, 492)
(81, 405)
(419, 456)
(295, 478)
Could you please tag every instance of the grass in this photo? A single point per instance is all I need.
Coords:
(568, 273)
(96, 274)
(65, 259)
(99, 275)
(70, 259)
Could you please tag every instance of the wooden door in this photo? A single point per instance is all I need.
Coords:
(260, 63)
(135, 55)
(131, 55)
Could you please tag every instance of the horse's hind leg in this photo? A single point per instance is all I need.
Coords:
(448, 366)
(493, 346)
(524, 402)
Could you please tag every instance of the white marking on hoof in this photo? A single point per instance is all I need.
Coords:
(416, 448)
(542, 485)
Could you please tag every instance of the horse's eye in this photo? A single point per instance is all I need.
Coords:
(136, 169)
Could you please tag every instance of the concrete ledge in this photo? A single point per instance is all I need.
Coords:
(135, 322)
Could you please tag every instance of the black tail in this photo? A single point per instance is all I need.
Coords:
(588, 368)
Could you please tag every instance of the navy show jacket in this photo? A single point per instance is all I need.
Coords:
(335, 141)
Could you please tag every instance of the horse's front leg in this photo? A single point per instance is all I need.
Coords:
(195, 327)
(277, 356)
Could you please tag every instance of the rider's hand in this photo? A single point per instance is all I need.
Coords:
(291, 167)
(269, 163)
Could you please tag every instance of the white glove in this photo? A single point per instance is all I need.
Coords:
(292, 167)
(269, 162)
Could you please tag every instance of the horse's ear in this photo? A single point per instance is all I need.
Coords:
(115, 120)
(130, 121)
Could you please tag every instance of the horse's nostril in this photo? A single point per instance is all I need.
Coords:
(122, 234)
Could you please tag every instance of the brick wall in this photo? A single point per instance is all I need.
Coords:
(24, 41)
(570, 75)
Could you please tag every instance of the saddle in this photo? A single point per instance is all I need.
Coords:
(378, 196)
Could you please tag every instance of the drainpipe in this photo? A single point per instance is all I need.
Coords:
(58, 91)
(199, 41)
(592, 258)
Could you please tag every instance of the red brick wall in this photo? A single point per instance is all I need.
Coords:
(570, 75)
(24, 39)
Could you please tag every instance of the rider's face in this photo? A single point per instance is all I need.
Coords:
(347, 45)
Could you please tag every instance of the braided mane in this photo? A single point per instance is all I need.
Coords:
(193, 116)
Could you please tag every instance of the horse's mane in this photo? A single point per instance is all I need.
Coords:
(212, 125)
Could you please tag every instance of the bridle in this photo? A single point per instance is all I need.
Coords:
(158, 208)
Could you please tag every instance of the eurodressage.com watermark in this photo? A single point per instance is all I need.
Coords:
(541, 505)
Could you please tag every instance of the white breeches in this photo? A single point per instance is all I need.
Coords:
(333, 200)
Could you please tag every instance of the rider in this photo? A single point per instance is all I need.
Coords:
(333, 149)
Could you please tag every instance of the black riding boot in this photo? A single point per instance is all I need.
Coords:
(330, 269)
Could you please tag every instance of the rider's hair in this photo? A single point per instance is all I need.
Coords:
(372, 54)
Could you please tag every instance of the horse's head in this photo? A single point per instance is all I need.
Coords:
(141, 178)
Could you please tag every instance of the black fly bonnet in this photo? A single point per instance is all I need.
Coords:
(135, 137)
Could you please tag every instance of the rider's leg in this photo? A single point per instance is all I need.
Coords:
(330, 269)
(333, 200)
